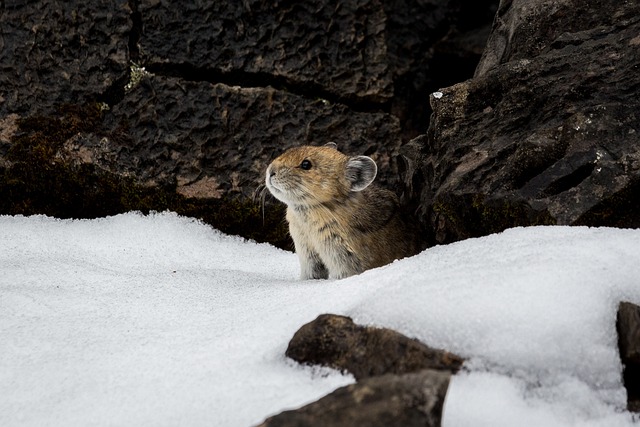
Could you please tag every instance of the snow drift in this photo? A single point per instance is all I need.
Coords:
(160, 320)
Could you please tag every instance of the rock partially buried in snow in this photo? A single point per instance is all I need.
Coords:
(336, 341)
(628, 326)
(407, 400)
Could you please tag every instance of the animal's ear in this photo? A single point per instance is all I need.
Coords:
(360, 172)
(331, 145)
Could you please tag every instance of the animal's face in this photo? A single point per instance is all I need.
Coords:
(314, 175)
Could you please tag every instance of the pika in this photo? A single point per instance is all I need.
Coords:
(340, 223)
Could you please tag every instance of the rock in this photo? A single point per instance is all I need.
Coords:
(524, 29)
(335, 341)
(551, 137)
(401, 382)
(367, 54)
(414, 399)
(315, 45)
(231, 84)
(628, 327)
(214, 140)
(53, 53)
(197, 148)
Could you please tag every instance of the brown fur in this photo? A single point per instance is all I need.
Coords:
(340, 224)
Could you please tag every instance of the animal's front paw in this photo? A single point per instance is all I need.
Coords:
(313, 270)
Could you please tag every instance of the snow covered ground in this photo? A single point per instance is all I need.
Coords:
(162, 321)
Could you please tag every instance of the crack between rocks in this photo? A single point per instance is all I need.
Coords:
(115, 93)
(136, 30)
(568, 181)
(246, 79)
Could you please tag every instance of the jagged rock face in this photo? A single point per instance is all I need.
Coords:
(552, 137)
(368, 54)
(407, 400)
(213, 140)
(339, 49)
(61, 52)
(232, 85)
(525, 29)
(336, 341)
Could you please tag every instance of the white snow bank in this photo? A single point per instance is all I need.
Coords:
(160, 320)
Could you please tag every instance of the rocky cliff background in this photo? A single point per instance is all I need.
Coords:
(481, 114)
(112, 106)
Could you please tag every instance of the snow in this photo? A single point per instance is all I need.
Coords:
(160, 320)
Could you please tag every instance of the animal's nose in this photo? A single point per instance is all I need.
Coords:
(271, 171)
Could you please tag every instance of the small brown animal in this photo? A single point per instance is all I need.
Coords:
(341, 225)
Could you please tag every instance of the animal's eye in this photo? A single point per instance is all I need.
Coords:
(306, 165)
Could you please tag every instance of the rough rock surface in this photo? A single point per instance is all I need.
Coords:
(370, 54)
(548, 132)
(336, 341)
(85, 131)
(340, 49)
(196, 148)
(414, 399)
(214, 139)
(628, 327)
(524, 29)
(53, 53)
(432, 44)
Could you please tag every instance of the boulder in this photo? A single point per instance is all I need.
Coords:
(53, 53)
(547, 132)
(367, 54)
(315, 46)
(414, 399)
(525, 29)
(628, 327)
(214, 140)
(335, 341)
(196, 148)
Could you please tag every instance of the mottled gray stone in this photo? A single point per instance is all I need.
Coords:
(340, 48)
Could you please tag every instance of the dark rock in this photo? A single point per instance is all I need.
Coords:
(234, 86)
(552, 139)
(213, 140)
(432, 44)
(628, 327)
(365, 53)
(339, 49)
(335, 341)
(524, 29)
(407, 400)
(53, 53)
(197, 148)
